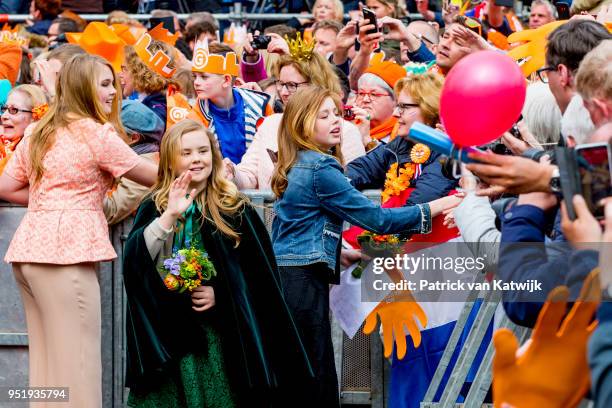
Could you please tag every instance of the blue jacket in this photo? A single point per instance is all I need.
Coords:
(370, 171)
(308, 222)
(422, 54)
(523, 255)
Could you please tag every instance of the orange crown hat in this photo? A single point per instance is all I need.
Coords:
(213, 64)
(161, 34)
(128, 33)
(388, 71)
(10, 35)
(100, 39)
(157, 62)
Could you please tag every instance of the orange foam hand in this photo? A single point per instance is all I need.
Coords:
(396, 312)
(534, 47)
(553, 371)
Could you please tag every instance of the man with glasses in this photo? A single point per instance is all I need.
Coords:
(566, 48)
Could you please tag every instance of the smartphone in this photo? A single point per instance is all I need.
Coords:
(371, 17)
(594, 161)
(563, 10)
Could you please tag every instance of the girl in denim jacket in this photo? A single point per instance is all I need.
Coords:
(314, 198)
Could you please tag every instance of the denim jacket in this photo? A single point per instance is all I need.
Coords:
(308, 223)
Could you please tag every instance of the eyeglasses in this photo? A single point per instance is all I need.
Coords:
(291, 86)
(371, 95)
(12, 110)
(542, 73)
(402, 107)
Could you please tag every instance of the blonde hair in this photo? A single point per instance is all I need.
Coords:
(219, 199)
(315, 70)
(397, 9)
(425, 90)
(338, 9)
(594, 77)
(118, 17)
(296, 130)
(146, 80)
(76, 98)
(36, 96)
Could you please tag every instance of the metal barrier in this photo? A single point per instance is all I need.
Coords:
(359, 361)
(363, 372)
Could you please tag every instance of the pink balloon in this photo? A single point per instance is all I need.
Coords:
(483, 96)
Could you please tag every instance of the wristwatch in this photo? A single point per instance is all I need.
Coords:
(555, 181)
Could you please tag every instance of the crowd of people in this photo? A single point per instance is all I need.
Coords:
(171, 121)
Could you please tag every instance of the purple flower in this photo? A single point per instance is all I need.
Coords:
(168, 263)
(175, 269)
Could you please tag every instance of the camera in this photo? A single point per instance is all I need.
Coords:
(261, 42)
(348, 113)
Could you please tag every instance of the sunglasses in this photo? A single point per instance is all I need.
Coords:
(13, 110)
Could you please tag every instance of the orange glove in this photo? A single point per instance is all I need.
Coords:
(553, 371)
(395, 312)
(534, 47)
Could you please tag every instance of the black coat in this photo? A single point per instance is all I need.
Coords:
(263, 352)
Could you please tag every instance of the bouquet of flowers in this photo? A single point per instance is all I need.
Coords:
(187, 269)
(374, 245)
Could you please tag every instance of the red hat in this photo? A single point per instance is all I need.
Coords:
(388, 71)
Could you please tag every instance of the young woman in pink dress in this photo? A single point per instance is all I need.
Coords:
(64, 166)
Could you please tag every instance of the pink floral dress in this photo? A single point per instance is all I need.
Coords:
(65, 223)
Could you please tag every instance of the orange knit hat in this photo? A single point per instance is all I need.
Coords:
(388, 71)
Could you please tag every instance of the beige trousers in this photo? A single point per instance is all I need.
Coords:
(63, 314)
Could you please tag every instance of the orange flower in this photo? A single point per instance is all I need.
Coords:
(394, 183)
(39, 111)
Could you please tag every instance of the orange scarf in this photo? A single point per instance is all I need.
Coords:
(387, 128)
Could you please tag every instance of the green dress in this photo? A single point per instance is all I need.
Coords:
(200, 380)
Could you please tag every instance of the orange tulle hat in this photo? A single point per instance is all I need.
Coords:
(100, 39)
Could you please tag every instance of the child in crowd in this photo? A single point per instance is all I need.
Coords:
(233, 342)
(314, 198)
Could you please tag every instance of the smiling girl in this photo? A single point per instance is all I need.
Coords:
(232, 342)
(64, 167)
(314, 198)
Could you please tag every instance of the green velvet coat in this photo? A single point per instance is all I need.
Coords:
(262, 350)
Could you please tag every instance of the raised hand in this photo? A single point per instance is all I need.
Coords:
(178, 199)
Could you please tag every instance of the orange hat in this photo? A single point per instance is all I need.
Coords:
(157, 62)
(127, 33)
(10, 61)
(161, 34)
(100, 39)
(214, 64)
(388, 71)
